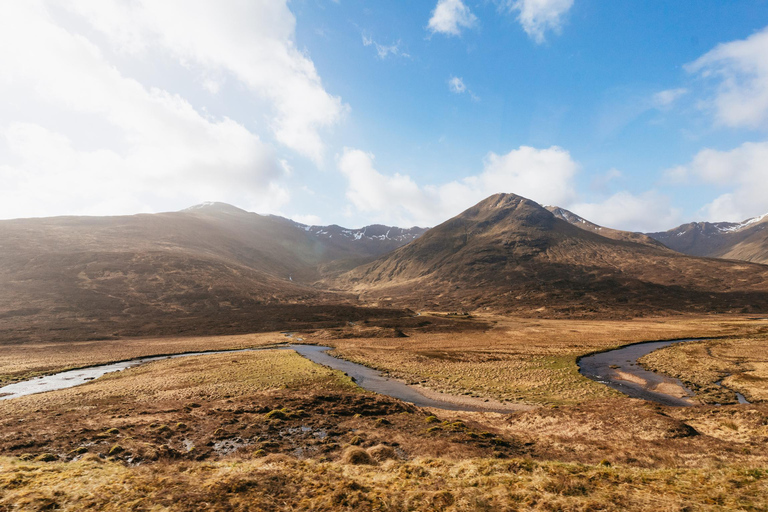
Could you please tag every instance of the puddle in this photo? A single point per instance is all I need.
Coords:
(227, 446)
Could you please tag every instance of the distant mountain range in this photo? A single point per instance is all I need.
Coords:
(214, 268)
(746, 240)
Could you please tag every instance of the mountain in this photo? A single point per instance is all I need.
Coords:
(211, 267)
(747, 241)
(509, 253)
(615, 234)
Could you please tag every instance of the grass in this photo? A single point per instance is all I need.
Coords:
(270, 430)
(284, 483)
(522, 360)
(212, 406)
(22, 362)
(740, 363)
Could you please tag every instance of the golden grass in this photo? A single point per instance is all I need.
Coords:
(283, 483)
(523, 360)
(740, 363)
(608, 453)
(21, 362)
(196, 378)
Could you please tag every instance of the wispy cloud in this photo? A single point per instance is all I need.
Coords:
(539, 16)
(540, 174)
(383, 50)
(665, 99)
(741, 172)
(457, 86)
(450, 17)
(740, 70)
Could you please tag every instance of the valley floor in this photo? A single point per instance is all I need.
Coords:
(270, 430)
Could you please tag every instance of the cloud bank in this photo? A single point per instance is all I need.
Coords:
(83, 132)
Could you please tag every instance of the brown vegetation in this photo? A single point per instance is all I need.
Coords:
(212, 270)
(717, 368)
(270, 430)
(521, 360)
(508, 253)
(285, 484)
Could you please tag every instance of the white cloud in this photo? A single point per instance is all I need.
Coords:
(543, 175)
(93, 141)
(665, 99)
(742, 171)
(383, 50)
(741, 71)
(253, 41)
(456, 85)
(309, 220)
(450, 17)
(539, 16)
(649, 211)
(546, 176)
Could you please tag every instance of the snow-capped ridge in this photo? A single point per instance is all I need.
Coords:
(730, 227)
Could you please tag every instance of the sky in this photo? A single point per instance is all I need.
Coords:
(637, 115)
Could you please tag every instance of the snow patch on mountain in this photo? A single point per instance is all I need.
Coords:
(729, 227)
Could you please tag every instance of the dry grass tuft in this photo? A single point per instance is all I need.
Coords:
(356, 456)
(382, 452)
(281, 483)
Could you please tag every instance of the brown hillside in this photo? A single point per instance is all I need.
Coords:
(509, 253)
(208, 269)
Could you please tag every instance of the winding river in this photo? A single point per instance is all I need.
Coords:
(617, 368)
(363, 376)
(620, 370)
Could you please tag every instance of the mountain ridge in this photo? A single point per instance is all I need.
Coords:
(746, 240)
(207, 268)
(510, 253)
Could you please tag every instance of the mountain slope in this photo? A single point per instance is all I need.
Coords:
(208, 268)
(580, 222)
(747, 241)
(508, 252)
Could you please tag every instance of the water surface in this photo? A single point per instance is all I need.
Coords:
(366, 378)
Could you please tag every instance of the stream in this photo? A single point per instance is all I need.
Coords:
(617, 368)
(620, 370)
(365, 377)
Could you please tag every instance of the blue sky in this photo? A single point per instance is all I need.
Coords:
(636, 115)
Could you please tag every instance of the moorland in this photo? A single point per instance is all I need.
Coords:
(495, 306)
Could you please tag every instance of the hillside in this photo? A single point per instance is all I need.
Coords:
(615, 234)
(747, 241)
(509, 253)
(210, 268)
